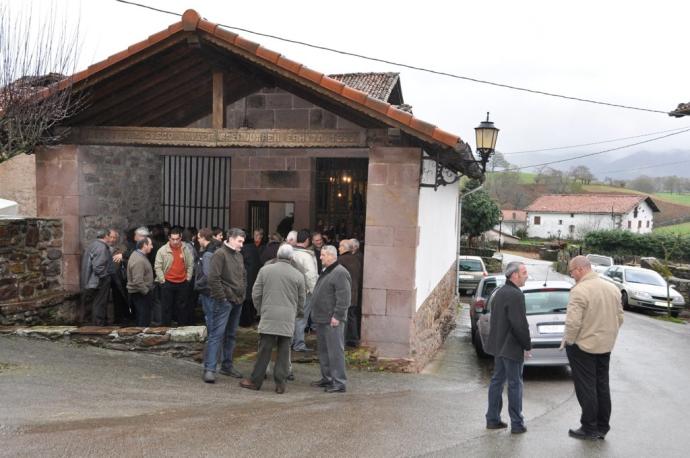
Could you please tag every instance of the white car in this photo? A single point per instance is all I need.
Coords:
(644, 288)
(545, 303)
(600, 263)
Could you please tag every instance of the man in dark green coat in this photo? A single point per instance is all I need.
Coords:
(278, 294)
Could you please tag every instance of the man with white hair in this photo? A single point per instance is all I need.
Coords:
(352, 263)
(278, 295)
(330, 301)
(509, 342)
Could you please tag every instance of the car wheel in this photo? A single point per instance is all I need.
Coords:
(624, 301)
(478, 347)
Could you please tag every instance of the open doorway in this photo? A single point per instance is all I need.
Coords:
(271, 216)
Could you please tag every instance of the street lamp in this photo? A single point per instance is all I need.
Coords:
(486, 135)
(500, 229)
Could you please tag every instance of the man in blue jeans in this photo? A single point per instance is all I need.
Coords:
(509, 342)
(227, 284)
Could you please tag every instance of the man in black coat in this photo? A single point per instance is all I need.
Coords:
(353, 264)
(509, 342)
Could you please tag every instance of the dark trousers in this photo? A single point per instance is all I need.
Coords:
(97, 300)
(331, 346)
(174, 298)
(266, 344)
(352, 328)
(509, 370)
(142, 306)
(591, 379)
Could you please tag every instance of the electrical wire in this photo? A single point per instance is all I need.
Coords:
(610, 172)
(414, 67)
(593, 143)
(515, 169)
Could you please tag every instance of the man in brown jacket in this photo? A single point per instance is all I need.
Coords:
(591, 326)
(140, 281)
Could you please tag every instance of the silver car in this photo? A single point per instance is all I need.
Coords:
(644, 288)
(599, 262)
(545, 303)
(471, 270)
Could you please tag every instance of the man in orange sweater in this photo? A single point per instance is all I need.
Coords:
(174, 267)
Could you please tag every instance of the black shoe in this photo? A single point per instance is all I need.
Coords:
(335, 389)
(232, 372)
(290, 377)
(601, 434)
(322, 383)
(499, 425)
(518, 430)
(581, 434)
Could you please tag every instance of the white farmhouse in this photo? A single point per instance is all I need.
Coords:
(572, 216)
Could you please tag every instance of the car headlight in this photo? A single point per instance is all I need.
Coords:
(678, 300)
(641, 294)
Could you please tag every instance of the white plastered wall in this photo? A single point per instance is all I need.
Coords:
(436, 250)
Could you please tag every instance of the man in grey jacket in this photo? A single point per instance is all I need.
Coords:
(227, 283)
(330, 301)
(96, 265)
(140, 281)
(509, 341)
(278, 297)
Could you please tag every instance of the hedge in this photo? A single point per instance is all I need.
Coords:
(672, 247)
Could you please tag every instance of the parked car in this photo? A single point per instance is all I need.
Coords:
(599, 262)
(545, 303)
(471, 270)
(486, 286)
(644, 288)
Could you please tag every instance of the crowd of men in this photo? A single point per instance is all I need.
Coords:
(291, 286)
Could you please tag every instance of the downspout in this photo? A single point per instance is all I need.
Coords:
(457, 251)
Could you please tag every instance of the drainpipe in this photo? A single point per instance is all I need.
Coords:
(457, 251)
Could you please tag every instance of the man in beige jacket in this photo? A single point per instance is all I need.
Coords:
(591, 326)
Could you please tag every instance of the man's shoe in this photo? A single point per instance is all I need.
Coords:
(499, 425)
(322, 383)
(290, 377)
(581, 434)
(209, 377)
(280, 389)
(248, 384)
(232, 372)
(602, 435)
(334, 389)
(302, 349)
(518, 430)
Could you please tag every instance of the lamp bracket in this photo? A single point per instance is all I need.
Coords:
(435, 174)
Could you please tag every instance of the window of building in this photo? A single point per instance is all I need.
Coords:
(635, 212)
(571, 229)
(572, 215)
(647, 223)
(560, 222)
(639, 224)
(537, 220)
(629, 224)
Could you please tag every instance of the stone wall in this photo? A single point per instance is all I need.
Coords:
(119, 186)
(56, 308)
(389, 292)
(434, 320)
(30, 258)
(18, 178)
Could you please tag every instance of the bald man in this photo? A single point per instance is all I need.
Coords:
(594, 315)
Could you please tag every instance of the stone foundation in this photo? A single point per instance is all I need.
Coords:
(184, 342)
(434, 320)
(58, 308)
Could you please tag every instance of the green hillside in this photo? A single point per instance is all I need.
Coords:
(683, 229)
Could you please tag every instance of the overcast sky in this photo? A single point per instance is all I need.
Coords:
(624, 52)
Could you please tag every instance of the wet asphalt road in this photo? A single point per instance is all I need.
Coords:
(63, 400)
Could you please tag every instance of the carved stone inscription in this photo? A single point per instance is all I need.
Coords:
(286, 138)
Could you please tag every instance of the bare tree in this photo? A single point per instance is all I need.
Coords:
(36, 51)
(582, 173)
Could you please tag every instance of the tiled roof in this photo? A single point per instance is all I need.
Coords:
(334, 89)
(682, 110)
(377, 85)
(589, 203)
(520, 215)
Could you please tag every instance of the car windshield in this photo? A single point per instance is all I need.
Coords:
(647, 277)
(546, 301)
(599, 260)
(470, 265)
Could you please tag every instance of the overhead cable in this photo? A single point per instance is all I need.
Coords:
(414, 67)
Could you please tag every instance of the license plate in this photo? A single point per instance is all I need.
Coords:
(466, 277)
(661, 304)
(551, 328)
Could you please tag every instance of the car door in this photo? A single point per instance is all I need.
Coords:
(484, 320)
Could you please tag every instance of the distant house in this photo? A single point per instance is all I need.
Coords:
(513, 221)
(573, 216)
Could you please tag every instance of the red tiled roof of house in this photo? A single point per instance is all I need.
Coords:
(378, 85)
(520, 215)
(589, 203)
(337, 90)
